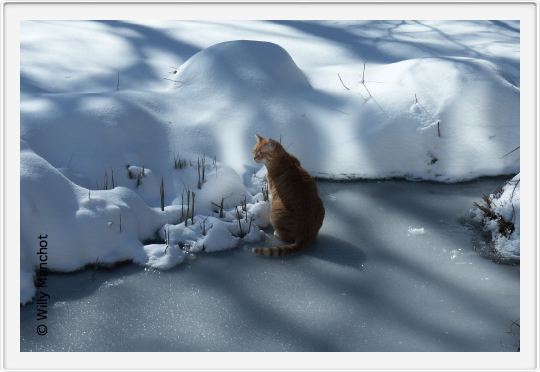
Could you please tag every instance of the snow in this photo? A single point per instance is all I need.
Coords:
(87, 226)
(103, 100)
(415, 231)
(506, 205)
(163, 257)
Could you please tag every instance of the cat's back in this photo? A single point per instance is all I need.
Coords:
(300, 183)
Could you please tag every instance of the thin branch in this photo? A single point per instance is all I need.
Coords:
(342, 83)
(517, 148)
(363, 82)
(342, 112)
(512, 200)
(367, 90)
(175, 81)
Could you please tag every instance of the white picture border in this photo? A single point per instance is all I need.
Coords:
(14, 12)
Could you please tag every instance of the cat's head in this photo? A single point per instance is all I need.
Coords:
(264, 149)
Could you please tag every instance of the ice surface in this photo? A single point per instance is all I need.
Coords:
(363, 286)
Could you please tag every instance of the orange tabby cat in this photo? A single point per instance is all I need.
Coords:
(297, 211)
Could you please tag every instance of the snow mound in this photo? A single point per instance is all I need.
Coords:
(424, 119)
(499, 215)
(83, 226)
(243, 66)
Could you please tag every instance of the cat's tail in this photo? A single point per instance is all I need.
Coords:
(281, 250)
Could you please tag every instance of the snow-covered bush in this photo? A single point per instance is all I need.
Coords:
(498, 213)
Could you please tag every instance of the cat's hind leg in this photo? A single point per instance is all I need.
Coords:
(285, 235)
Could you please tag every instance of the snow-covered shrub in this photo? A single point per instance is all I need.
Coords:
(498, 213)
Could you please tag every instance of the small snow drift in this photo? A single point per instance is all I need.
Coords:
(88, 226)
(244, 67)
(82, 226)
(499, 215)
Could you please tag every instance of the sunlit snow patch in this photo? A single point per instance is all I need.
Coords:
(415, 231)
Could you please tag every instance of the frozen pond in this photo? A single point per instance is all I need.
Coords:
(393, 269)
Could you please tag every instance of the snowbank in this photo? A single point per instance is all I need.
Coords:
(499, 215)
(420, 118)
(87, 226)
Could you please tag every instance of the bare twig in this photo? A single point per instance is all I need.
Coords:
(512, 200)
(203, 165)
(220, 206)
(192, 207)
(112, 178)
(188, 193)
(166, 239)
(162, 195)
(199, 173)
(175, 81)
(239, 218)
(363, 82)
(202, 224)
(251, 218)
(335, 109)
(342, 83)
(182, 214)
(517, 148)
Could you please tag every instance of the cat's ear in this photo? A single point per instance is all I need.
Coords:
(259, 137)
(271, 145)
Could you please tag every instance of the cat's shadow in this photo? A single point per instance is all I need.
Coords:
(325, 247)
(340, 252)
